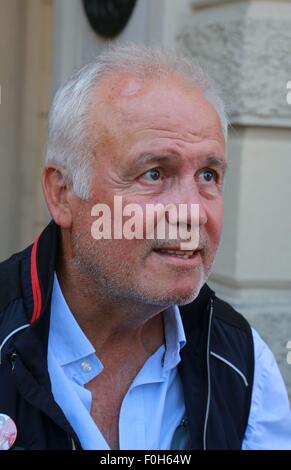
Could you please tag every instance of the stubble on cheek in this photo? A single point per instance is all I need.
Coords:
(109, 265)
(124, 269)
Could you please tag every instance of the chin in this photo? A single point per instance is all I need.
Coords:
(187, 298)
(187, 292)
(181, 296)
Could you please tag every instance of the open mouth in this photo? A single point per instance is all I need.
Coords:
(183, 254)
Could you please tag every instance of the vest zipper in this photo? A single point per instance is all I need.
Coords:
(208, 376)
(12, 361)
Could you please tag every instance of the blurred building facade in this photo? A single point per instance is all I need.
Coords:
(246, 47)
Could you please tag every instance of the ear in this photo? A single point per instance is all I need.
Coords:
(58, 195)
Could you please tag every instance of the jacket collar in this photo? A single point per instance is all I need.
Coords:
(32, 343)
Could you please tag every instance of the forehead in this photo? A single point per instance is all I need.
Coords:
(130, 107)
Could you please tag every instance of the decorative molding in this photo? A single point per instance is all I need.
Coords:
(249, 58)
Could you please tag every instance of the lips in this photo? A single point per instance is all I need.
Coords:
(184, 254)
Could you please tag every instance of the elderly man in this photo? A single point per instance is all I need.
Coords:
(117, 342)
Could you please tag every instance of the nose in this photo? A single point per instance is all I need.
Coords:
(189, 203)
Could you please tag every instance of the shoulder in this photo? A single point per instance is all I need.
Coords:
(269, 426)
(15, 293)
(210, 320)
(224, 312)
(10, 277)
(232, 340)
(232, 331)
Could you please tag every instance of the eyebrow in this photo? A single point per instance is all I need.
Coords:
(211, 160)
(151, 158)
(217, 162)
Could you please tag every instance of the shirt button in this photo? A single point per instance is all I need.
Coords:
(86, 366)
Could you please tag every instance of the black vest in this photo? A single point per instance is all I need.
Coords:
(217, 371)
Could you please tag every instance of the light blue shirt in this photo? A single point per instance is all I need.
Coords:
(153, 408)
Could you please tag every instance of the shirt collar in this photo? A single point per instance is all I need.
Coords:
(67, 340)
(174, 336)
(70, 344)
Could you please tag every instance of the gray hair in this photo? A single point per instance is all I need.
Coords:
(69, 144)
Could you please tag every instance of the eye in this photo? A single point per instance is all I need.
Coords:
(208, 175)
(154, 174)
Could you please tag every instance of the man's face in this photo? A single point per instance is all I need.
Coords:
(156, 143)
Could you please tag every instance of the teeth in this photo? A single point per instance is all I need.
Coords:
(180, 253)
